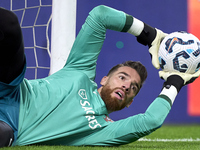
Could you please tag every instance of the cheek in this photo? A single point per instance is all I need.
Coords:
(117, 82)
(113, 82)
(129, 99)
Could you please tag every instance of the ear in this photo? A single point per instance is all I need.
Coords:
(104, 80)
(129, 104)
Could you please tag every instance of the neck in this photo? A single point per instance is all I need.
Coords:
(99, 90)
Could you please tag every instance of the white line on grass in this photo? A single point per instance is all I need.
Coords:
(170, 140)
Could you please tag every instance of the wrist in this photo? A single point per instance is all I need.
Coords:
(174, 80)
(136, 27)
(147, 35)
(171, 93)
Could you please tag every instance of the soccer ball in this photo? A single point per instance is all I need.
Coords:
(180, 52)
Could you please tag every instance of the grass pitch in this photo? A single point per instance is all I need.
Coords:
(168, 137)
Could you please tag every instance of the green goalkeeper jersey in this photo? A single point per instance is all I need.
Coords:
(66, 108)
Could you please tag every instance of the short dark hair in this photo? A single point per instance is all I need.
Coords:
(138, 66)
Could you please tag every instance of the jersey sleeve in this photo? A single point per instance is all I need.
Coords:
(88, 44)
(131, 129)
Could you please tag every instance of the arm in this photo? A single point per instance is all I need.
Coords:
(89, 41)
(131, 129)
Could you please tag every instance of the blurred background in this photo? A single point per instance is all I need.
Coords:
(166, 15)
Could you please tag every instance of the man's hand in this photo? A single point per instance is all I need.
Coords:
(152, 37)
(178, 79)
(154, 48)
(187, 78)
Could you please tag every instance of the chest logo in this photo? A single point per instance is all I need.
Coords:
(82, 93)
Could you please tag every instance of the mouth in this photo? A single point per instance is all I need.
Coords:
(119, 94)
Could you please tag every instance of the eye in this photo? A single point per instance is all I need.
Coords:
(134, 88)
(122, 77)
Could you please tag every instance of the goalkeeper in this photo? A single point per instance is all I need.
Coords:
(66, 108)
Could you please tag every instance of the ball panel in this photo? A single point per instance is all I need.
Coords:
(180, 51)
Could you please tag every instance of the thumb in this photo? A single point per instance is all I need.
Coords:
(196, 74)
(193, 77)
(154, 56)
(163, 75)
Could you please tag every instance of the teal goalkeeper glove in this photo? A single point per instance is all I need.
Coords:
(178, 79)
(152, 37)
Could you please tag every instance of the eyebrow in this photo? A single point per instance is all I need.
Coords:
(130, 76)
(126, 74)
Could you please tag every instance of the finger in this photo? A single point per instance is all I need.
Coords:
(155, 62)
(163, 75)
(154, 56)
(196, 74)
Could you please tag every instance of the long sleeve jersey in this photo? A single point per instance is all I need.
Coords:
(66, 109)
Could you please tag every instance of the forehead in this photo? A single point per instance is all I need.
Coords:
(132, 73)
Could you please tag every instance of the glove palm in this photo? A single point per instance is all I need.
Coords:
(188, 78)
(154, 48)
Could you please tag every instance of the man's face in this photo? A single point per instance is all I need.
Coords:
(119, 88)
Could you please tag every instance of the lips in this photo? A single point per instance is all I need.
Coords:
(119, 94)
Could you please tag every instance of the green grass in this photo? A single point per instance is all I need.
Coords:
(170, 132)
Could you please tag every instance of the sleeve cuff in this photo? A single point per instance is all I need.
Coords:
(136, 27)
(128, 24)
(170, 94)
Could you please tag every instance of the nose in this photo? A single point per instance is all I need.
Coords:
(126, 87)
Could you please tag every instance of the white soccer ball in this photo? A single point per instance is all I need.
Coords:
(180, 52)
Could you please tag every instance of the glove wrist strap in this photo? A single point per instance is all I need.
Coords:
(147, 36)
(174, 80)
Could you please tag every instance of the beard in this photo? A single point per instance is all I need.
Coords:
(112, 103)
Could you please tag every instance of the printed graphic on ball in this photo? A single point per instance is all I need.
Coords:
(180, 52)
